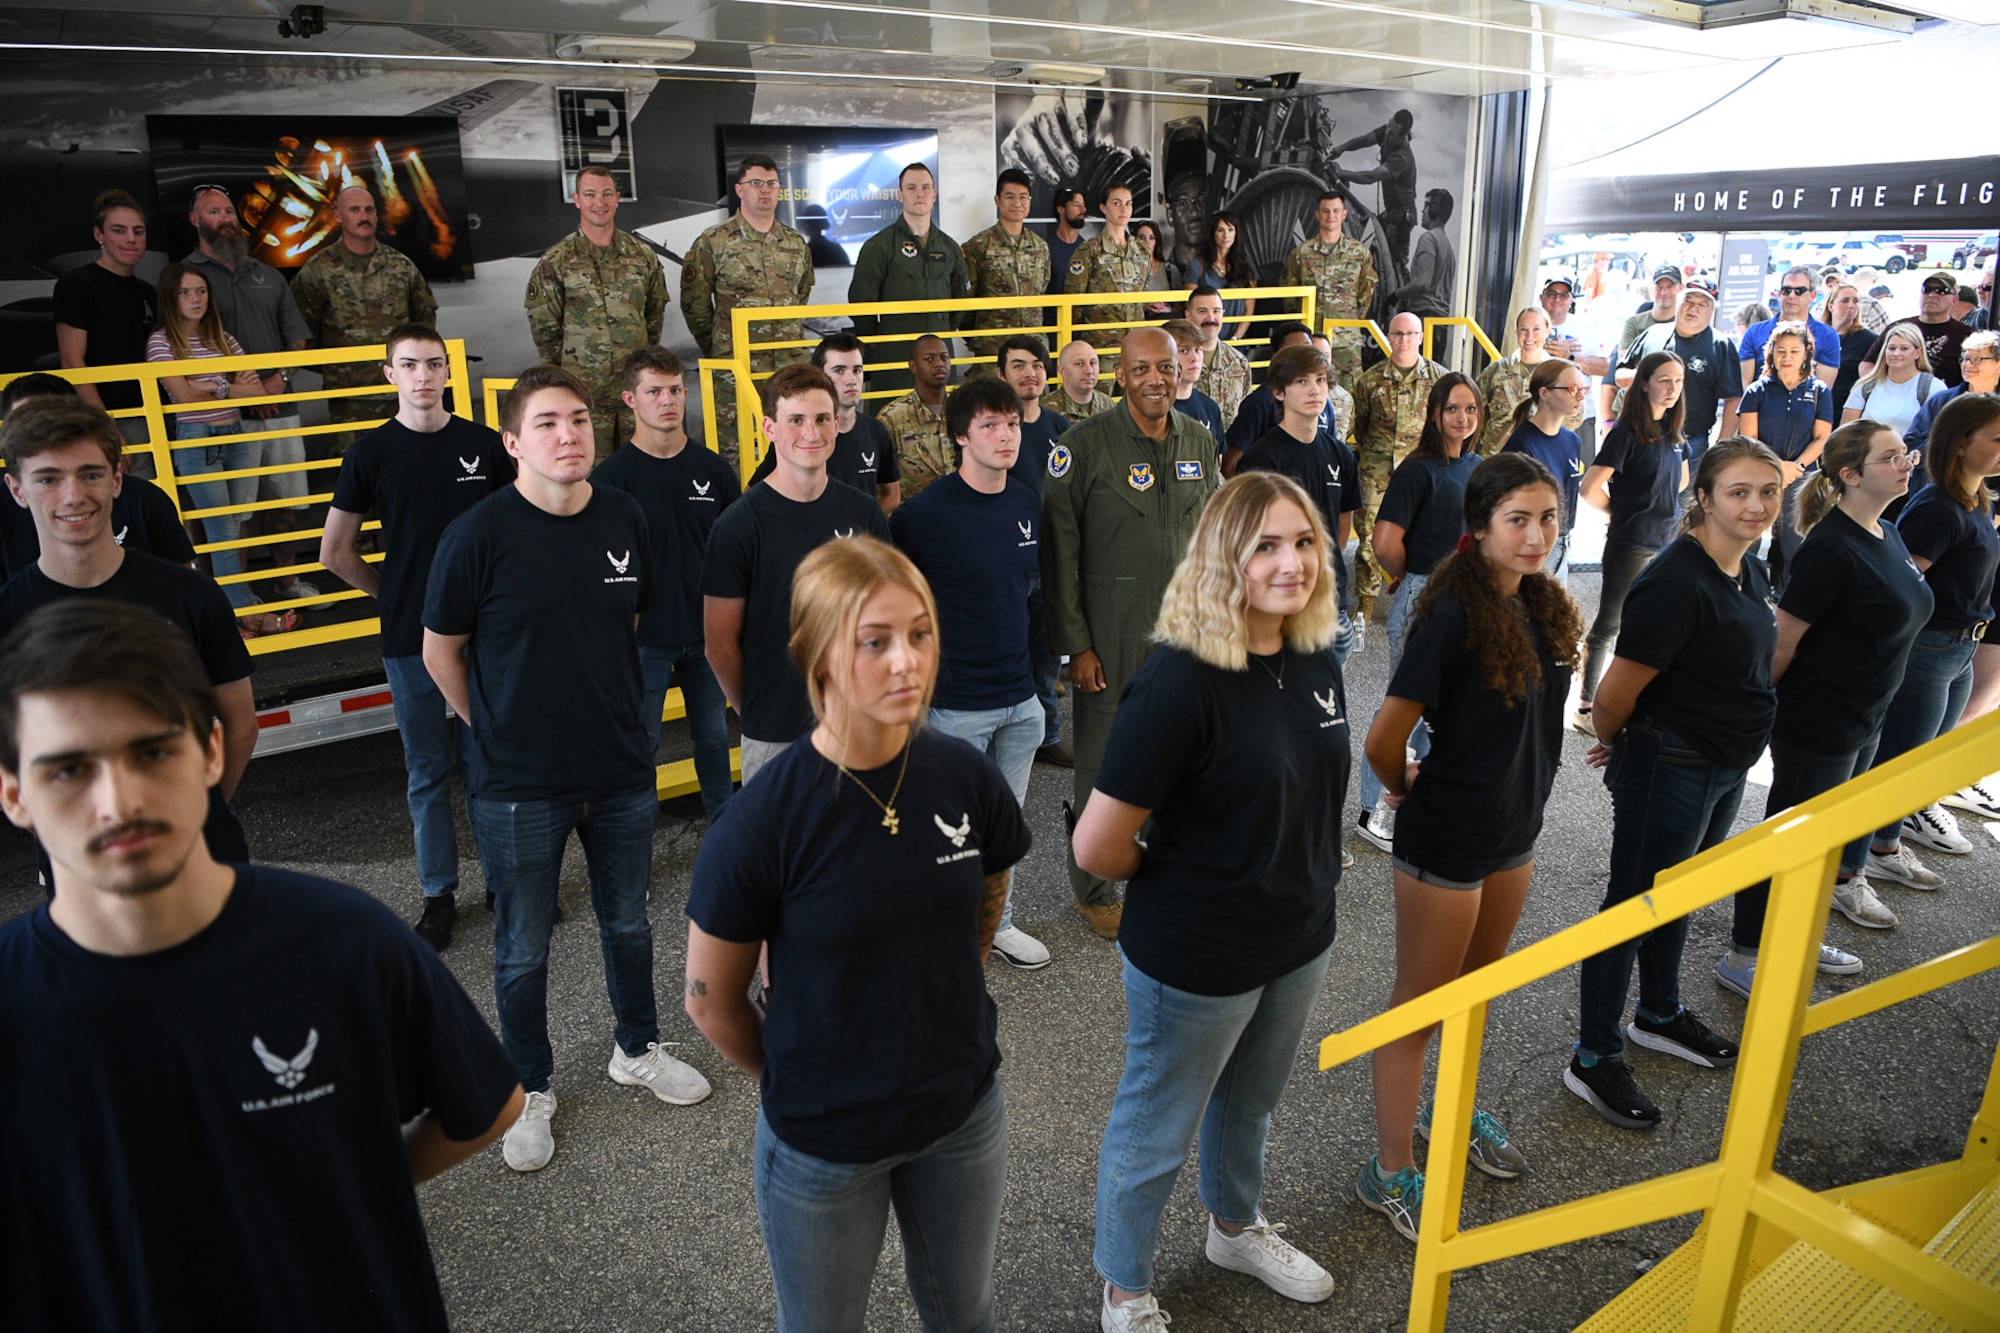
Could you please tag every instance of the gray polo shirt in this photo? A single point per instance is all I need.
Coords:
(255, 303)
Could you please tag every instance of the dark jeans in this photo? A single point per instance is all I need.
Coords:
(1786, 537)
(1621, 565)
(1667, 803)
(1937, 680)
(708, 725)
(1799, 775)
(522, 843)
(1045, 662)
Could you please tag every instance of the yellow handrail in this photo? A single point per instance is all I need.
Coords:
(1434, 322)
(1798, 850)
(1373, 329)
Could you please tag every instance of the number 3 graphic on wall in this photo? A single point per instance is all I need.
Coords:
(609, 117)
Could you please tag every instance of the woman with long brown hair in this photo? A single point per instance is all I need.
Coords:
(1540, 428)
(1217, 265)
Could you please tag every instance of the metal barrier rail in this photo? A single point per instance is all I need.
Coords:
(1799, 851)
(1432, 323)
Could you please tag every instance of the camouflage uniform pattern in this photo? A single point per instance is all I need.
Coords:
(1055, 400)
(351, 300)
(923, 449)
(1226, 378)
(1099, 265)
(1001, 265)
(1388, 418)
(1502, 384)
(733, 264)
(1344, 273)
(591, 306)
(1342, 403)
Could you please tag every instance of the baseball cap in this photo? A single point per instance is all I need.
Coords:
(1700, 287)
(1938, 282)
(1563, 283)
(1668, 271)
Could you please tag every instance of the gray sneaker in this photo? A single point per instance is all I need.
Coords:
(1258, 1251)
(1400, 1197)
(531, 1141)
(671, 1080)
(1902, 867)
(1379, 829)
(1856, 901)
(1489, 1149)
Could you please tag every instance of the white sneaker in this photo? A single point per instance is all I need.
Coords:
(1934, 827)
(1022, 950)
(1838, 962)
(1856, 901)
(1258, 1251)
(531, 1141)
(1982, 798)
(1141, 1314)
(1379, 829)
(1902, 867)
(671, 1080)
(1580, 721)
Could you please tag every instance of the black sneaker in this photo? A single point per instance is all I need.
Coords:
(1687, 1037)
(1608, 1087)
(434, 926)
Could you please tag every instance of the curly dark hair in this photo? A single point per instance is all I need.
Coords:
(1495, 633)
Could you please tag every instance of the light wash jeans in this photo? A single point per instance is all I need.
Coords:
(429, 735)
(1399, 625)
(222, 456)
(1007, 736)
(1937, 680)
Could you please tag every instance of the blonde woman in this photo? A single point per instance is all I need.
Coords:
(873, 858)
(1898, 387)
(1233, 740)
(1504, 383)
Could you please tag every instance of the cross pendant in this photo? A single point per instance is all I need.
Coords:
(891, 821)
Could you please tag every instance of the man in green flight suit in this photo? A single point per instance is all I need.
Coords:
(598, 296)
(908, 260)
(1119, 505)
(1006, 260)
(751, 260)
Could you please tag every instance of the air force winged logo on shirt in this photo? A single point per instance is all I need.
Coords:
(1187, 469)
(1330, 701)
(957, 835)
(619, 563)
(470, 467)
(289, 1073)
(701, 487)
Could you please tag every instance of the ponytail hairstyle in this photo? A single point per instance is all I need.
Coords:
(1954, 426)
(1540, 380)
(1636, 415)
(1430, 444)
(1846, 448)
(1735, 449)
(1496, 634)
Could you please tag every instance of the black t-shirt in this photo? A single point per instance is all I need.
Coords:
(260, 1181)
(1561, 453)
(1426, 498)
(1854, 345)
(550, 601)
(1325, 468)
(1478, 798)
(1246, 782)
(1865, 602)
(1037, 438)
(142, 519)
(1963, 550)
(753, 551)
(418, 483)
(880, 1037)
(1645, 492)
(682, 497)
(189, 599)
(1713, 369)
(863, 458)
(1208, 412)
(116, 315)
(981, 555)
(1711, 638)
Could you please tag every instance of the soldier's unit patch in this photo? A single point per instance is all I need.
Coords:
(1141, 476)
(1187, 469)
(1059, 461)
(909, 249)
(1076, 267)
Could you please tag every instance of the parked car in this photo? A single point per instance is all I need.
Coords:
(1866, 252)
(1974, 253)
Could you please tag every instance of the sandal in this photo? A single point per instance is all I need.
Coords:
(270, 622)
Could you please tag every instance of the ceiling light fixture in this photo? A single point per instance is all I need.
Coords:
(1071, 76)
(647, 49)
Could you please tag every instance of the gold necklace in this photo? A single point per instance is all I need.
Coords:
(890, 819)
(1279, 674)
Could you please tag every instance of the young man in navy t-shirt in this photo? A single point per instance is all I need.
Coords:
(682, 487)
(530, 630)
(306, 1061)
(975, 534)
(1024, 365)
(419, 470)
(864, 453)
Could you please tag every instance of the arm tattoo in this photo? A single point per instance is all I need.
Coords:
(697, 987)
(990, 908)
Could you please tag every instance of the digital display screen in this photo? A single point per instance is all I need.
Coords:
(836, 186)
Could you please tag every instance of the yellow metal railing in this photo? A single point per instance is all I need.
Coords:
(1373, 330)
(1432, 323)
(1798, 850)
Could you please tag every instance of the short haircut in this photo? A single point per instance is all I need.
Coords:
(915, 166)
(1065, 194)
(1810, 275)
(1334, 195)
(1441, 204)
(35, 384)
(790, 382)
(1297, 363)
(1013, 176)
(1404, 118)
(1284, 329)
(1203, 289)
(837, 342)
(596, 171)
(533, 380)
(829, 589)
(408, 333)
(753, 160)
(656, 359)
(1185, 332)
(1025, 342)
(103, 646)
(51, 421)
(1983, 340)
(102, 205)
(968, 400)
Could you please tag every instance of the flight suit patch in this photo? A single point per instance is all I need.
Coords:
(1141, 476)
(1059, 460)
(1187, 469)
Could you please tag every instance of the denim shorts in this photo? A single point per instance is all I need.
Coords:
(1427, 877)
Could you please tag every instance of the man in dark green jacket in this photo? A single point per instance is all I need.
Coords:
(908, 260)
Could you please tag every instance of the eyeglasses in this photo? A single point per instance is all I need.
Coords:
(1965, 360)
(1406, 333)
(1795, 291)
(1570, 388)
(1902, 461)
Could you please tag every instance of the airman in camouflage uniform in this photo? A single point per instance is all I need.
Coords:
(352, 293)
(924, 449)
(1389, 402)
(591, 304)
(1225, 377)
(1503, 384)
(1341, 402)
(1344, 272)
(1006, 260)
(1057, 401)
(1077, 372)
(1114, 260)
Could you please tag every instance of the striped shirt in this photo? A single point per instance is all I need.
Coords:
(159, 349)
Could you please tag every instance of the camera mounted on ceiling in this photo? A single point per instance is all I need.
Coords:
(1270, 83)
(305, 21)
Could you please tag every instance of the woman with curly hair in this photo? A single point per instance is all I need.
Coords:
(1233, 740)
(1789, 410)
(1488, 662)
(1217, 266)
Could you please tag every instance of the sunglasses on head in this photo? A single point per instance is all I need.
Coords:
(194, 196)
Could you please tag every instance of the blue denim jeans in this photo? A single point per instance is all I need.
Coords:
(1208, 1064)
(1045, 662)
(1667, 803)
(522, 843)
(430, 738)
(823, 1224)
(1799, 775)
(1399, 625)
(225, 456)
(708, 725)
(1007, 736)
(1937, 680)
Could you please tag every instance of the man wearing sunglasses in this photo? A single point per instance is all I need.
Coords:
(1943, 336)
(1982, 317)
(1795, 298)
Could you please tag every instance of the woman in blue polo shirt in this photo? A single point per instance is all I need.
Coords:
(1790, 411)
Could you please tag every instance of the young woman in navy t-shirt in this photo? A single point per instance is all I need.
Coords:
(1488, 663)
(873, 858)
(1555, 388)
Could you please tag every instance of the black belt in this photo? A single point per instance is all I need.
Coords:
(1975, 632)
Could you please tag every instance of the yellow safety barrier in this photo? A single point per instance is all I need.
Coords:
(1432, 323)
(1753, 1213)
(1373, 330)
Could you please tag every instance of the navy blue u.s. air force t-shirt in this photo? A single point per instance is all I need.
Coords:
(980, 553)
(682, 497)
(241, 1166)
(1426, 498)
(187, 597)
(1644, 490)
(550, 602)
(863, 458)
(1561, 453)
(142, 519)
(881, 1037)
(1963, 550)
(1246, 782)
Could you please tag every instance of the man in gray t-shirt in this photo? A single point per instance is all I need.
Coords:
(1433, 271)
